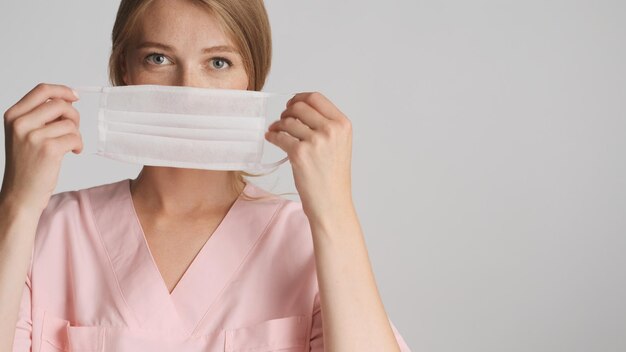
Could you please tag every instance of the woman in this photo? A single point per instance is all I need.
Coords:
(182, 259)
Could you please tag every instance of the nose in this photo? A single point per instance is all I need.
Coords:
(188, 77)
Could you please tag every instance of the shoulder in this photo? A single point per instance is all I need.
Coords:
(74, 202)
(293, 215)
(289, 214)
(285, 244)
(71, 212)
(66, 227)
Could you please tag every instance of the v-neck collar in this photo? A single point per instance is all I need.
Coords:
(142, 234)
(140, 282)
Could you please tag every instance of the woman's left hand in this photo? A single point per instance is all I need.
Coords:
(317, 137)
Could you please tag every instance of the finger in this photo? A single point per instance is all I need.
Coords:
(293, 126)
(70, 142)
(37, 96)
(55, 109)
(319, 102)
(281, 139)
(306, 114)
(54, 130)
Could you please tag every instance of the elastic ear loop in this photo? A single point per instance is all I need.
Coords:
(271, 167)
(263, 168)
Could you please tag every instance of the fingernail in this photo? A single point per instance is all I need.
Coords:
(75, 94)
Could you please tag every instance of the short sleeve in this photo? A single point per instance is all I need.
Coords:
(317, 339)
(24, 327)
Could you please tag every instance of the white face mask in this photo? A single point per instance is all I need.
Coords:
(187, 127)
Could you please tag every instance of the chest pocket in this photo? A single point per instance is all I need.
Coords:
(288, 334)
(58, 335)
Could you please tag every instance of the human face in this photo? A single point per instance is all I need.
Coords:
(179, 43)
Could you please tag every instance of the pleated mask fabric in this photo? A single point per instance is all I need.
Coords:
(185, 127)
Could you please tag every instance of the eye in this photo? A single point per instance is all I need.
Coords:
(220, 62)
(159, 58)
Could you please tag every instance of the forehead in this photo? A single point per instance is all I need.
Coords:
(183, 24)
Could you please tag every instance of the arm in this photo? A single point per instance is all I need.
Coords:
(318, 139)
(17, 233)
(354, 315)
(39, 130)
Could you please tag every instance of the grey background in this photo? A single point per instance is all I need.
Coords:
(489, 151)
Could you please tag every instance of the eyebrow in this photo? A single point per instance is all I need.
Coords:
(218, 48)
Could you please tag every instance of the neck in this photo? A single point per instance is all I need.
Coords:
(175, 191)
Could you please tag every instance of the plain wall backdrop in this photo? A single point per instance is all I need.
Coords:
(489, 157)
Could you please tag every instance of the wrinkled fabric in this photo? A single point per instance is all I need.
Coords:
(93, 284)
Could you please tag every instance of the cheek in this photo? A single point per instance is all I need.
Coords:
(241, 80)
(238, 76)
(235, 79)
(141, 76)
(134, 70)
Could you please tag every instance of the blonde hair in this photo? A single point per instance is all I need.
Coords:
(245, 22)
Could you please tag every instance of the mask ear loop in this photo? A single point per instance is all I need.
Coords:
(271, 167)
(264, 168)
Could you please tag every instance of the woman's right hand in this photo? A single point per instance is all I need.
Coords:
(39, 129)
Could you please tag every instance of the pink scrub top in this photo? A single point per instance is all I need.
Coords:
(93, 284)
